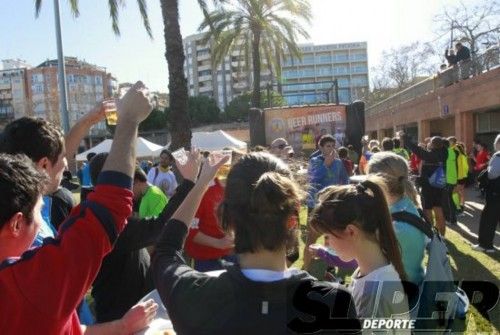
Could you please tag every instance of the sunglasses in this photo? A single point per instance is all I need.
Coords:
(281, 146)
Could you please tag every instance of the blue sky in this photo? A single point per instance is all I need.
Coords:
(132, 56)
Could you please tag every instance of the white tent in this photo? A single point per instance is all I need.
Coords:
(143, 148)
(216, 140)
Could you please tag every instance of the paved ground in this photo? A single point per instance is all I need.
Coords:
(468, 224)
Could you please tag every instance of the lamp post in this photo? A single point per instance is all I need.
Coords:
(63, 98)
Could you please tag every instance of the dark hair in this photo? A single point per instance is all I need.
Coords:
(365, 206)
(168, 153)
(259, 200)
(34, 137)
(67, 175)
(343, 152)
(95, 166)
(90, 155)
(387, 144)
(139, 175)
(397, 142)
(325, 139)
(20, 186)
(437, 142)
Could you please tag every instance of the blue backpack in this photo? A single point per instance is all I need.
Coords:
(438, 177)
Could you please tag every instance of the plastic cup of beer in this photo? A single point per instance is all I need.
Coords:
(180, 156)
(111, 112)
(224, 169)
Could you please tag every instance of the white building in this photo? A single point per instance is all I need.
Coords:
(225, 82)
(14, 102)
(305, 81)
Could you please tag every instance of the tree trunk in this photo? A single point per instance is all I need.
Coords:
(180, 124)
(256, 68)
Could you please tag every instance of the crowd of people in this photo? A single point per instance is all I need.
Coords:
(220, 247)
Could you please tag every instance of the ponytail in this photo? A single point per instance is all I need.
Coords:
(385, 230)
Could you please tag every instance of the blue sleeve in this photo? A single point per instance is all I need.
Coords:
(344, 178)
(317, 171)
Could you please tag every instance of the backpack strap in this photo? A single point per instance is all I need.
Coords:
(415, 221)
(157, 170)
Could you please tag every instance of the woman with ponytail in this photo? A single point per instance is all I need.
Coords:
(260, 294)
(402, 197)
(358, 224)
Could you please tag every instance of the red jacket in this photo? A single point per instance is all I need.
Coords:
(206, 221)
(40, 291)
(482, 159)
(415, 163)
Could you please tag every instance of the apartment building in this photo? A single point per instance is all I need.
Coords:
(305, 81)
(223, 83)
(14, 100)
(86, 85)
(309, 79)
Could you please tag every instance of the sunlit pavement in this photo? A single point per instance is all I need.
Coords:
(468, 223)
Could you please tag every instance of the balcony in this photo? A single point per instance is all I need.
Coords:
(204, 89)
(203, 57)
(205, 78)
(204, 67)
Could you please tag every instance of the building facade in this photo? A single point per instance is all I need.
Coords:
(446, 104)
(311, 79)
(222, 83)
(305, 81)
(86, 85)
(14, 102)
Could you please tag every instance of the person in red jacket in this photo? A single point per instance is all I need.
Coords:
(482, 157)
(41, 288)
(207, 243)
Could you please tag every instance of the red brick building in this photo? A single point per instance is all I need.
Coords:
(467, 109)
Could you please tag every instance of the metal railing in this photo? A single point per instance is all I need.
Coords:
(488, 60)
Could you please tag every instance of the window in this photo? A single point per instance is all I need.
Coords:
(37, 77)
(324, 71)
(37, 88)
(205, 73)
(307, 72)
(323, 58)
(340, 69)
(340, 56)
(307, 59)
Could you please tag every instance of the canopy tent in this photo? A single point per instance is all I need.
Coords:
(216, 140)
(143, 148)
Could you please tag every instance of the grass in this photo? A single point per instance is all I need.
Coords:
(467, 265)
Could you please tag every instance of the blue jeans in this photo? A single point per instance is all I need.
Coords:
(214, 264)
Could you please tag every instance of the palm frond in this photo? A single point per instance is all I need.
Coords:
(113, 14)
(143, 9)
(38, 7)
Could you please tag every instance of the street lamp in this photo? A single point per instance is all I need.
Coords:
(63, 101)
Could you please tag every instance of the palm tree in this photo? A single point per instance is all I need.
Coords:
(180, 128)
(257, 29)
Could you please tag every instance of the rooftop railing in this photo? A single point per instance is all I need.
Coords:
(488, 60)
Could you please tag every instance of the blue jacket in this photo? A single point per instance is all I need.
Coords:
(321, 176)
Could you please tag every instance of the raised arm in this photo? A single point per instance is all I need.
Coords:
(82, 128)
(68, 265)
(168, 265)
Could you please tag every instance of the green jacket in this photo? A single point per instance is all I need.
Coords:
(451, 167)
